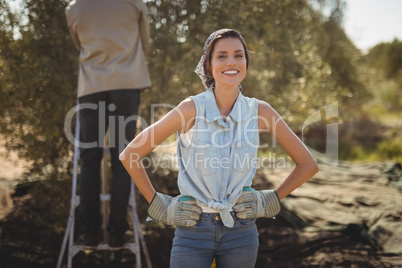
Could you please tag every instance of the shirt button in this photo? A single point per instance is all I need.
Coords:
(217, 218)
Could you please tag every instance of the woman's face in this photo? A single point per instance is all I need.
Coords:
(228, 62)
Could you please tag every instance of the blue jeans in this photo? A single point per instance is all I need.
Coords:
(108, 109)
(197, 246)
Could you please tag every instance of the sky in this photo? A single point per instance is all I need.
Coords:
(370, 22)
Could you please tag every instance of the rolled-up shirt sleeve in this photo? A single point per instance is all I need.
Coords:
(144, 28)
(71, 28)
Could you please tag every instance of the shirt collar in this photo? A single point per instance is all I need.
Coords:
(212, 110)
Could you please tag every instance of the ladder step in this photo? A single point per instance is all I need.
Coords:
(102, 197)
(134, 247)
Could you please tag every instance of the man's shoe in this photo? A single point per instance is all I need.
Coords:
(118, 240)
(88, 240)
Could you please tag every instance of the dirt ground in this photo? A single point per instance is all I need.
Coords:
(345, 216)
(11, 167)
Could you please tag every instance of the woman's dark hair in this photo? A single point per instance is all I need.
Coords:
(228, 33)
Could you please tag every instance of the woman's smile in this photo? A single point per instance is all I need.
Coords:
(231, 72)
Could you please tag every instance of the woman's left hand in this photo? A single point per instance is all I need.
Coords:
(255, 204)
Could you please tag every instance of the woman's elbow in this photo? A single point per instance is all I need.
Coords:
(130, 158)
(122, 156)
(125, 155)
(314, 167)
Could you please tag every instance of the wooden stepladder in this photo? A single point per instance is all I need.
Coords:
(73, 248)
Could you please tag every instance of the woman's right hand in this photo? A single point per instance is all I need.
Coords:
(179, 210)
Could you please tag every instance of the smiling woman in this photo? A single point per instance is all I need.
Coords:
(219, 133)
(238, 51)
(228, 63)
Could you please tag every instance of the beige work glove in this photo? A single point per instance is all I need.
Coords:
(254, 204)
(179, 210)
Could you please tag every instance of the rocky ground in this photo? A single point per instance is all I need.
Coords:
(346, 216)
(10, 169)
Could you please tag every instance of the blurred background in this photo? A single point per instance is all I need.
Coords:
(307, 54)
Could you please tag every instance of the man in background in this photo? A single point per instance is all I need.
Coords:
(112, 37)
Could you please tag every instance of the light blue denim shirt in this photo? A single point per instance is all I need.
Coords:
(220, 159)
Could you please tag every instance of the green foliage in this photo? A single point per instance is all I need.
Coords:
(302, 61)
(341, 55)
(391, 96)
(391, 149)
(287, 69)
(387, 57)
(386, 60)
(385, 150)
(37, 84)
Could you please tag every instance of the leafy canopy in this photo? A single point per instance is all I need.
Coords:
(301, 61)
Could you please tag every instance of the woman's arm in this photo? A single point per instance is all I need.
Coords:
(149, 139)
(306, 165)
